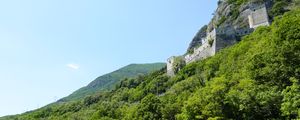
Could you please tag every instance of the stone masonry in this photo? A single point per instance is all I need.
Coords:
(222, 37)
(258, 17)
(170, 70)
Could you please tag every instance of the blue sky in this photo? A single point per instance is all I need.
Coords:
(50, 48)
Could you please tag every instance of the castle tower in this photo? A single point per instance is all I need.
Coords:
(259, 17)
(251, 21)
(170, 70)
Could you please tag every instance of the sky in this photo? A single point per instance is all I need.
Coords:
(50, 48)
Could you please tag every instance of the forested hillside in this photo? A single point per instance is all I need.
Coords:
(257, 78)
(108, 81)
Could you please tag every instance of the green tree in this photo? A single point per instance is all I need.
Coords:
(291, 100)
(150, 108)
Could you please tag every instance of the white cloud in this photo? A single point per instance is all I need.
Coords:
(73, 66)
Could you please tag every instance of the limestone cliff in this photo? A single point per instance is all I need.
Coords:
(234, 13)
(197, 39)
(232, 20)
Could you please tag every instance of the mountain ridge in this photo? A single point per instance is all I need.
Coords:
(107, 81)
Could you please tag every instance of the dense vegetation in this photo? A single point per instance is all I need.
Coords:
(108, 81)
(258, 78)
(279, 7)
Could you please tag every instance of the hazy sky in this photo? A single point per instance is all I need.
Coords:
(50, 48)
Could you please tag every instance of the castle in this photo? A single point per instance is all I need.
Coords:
(221, 37)
(258, 17)
(170, 71)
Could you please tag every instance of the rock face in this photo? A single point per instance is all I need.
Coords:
(231, 21)
(197, 40)
(228, 14)
(236, 14)
(207, 48)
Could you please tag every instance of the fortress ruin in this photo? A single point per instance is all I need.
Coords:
(170, 70)
(258, 17)
(222, 37)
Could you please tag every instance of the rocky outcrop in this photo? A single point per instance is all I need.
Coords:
(232, 20)
(235, 13)
(197, 40)
(229, 13)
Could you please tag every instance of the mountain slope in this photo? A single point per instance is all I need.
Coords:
(257, 78)
(108, 81)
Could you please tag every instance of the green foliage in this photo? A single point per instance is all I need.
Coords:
(108, 81)
(206, 102)
(211, 42)
(90, 100)
(190, 51)
(257, 78)
(253, 101)
(150, 108)
(235, 8)
(291, 100)
(178, 64)
(197, 40)
(279, 7)
(295, 4)
(221, 21)
(235, 13)
(237, 2)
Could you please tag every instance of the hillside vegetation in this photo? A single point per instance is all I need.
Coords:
(258, 78)
(108, 81)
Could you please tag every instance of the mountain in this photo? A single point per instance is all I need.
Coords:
(256, 78)
(108, 81)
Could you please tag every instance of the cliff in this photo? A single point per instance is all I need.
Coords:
(235, 13)
(232, 20)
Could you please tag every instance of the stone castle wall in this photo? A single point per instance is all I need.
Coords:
(170, 70)
(258, 17)
(220, 38)
(205, 50)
